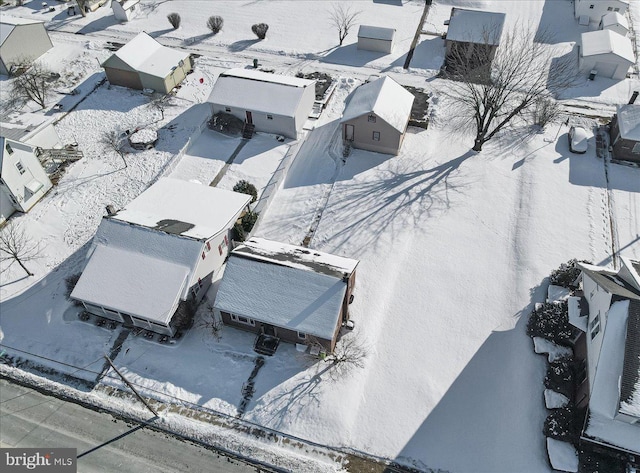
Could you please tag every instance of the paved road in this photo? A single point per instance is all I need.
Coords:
(31, 419)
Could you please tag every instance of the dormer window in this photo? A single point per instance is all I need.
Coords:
(8, 148)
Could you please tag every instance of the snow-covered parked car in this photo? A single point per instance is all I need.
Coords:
(578, 140)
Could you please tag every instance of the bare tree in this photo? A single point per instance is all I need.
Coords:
(17, 247)
(34, 85)
(493, 86)
(260, 30)
(350, 352)
(161, 103)
(114, 140)
(214, 23)
(211, 323)
(343, 18)
(82, 7)
(545, 111)
(174, 19)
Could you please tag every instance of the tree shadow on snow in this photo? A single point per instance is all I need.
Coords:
(242, 45)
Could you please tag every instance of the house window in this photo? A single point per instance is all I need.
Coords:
(226, 240)
(269, 117)
(595, 326)
(243, 320)
(376, 136)
(591, 6)
(204, 255)
(208, 246)
(609, 8)
(20, 167)
(371, 118)
(8, 148)
(302, 336)
(220, 249)
(227, 109)
(616, 9)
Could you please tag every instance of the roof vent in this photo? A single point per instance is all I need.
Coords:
(110, 210)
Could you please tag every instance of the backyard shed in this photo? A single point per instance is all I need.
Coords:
(296, 294)
(143, 63)
(606, 52)
(124, 10)
(156, 258)
(596, 9)
(625, 133)
(23, 181)
(615, 22)
(21, 40)
(472, 38)
(377, 116)
(272, 103)
(376, 38)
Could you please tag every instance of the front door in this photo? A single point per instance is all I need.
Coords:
(348, 132)
(269, 330)
(249, 118)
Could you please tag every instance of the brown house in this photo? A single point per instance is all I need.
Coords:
(286, 292)
(625, 133)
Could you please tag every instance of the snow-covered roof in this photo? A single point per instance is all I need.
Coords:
(297, 257)
(606, 42)
(376, 32)
(8, 23)
(629, 121)
(145, 54)
(630, 382)
(250, 89)
(613, 19)
(290, 289)
(25, 126)
(605, 393)
(184, 208)
(475, 26)
(126, 4)
(609, 281)
(384, 97)
(132, 282)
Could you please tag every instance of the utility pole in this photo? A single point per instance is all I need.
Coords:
(131, 387)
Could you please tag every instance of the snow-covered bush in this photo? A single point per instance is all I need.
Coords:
(214, 23)
(559, 378)
(245, 187)
(260, 30)
(562, 424)
(592, 460)
(551, 321)
(566, 274)
(174, 19)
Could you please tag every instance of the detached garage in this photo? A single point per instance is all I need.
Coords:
(606, 52)
(21, 40)
(143, 63)
(375, 38)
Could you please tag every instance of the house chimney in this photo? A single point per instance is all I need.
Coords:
(110, 210)
(633, 98)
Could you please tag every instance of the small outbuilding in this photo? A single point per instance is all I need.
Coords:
(615, 22)
(143, 63)
(151, 263)
(296, 294)
(21, 40)
(625, 133)
(607, 53)
(377, 116)
(472, 38)
(376, 38)
(271, 103)
(124, 10)
(596, 9)
(23, 181)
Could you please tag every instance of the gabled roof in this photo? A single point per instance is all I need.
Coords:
(630, 379)
(184, 208)
(614, 18)
(383, 97)
(475, 26)
(16, 146)
(629, 121)
(287, 286)
(8, 23)
(253, 90)
(376, 32)
(606, 42)
(609, 281)
(144, 54)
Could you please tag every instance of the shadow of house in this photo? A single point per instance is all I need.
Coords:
(471, 41)
(100, 24)
(552, 28)
(350, 55)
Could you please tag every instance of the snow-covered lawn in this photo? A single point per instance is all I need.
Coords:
(454, 245)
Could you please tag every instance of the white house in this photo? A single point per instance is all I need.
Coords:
(596, 9)
(606, 52)
(272, 103)
(296, 294)
(377, 116)
(143, 63)
(124, 10)
(612, 338)
(614, 21)
(21, 40)
(23, 181)
(156, 257)
(376, 38)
